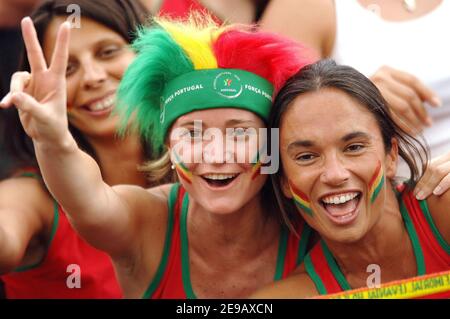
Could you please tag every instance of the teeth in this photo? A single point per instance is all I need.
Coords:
(343, 198)
(219, 176)
(103, 104)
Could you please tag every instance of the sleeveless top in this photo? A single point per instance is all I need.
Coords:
(172, 279)
(432, 252)
(366, 42)
(68, 261)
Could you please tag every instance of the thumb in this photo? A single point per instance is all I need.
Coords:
(26, 103)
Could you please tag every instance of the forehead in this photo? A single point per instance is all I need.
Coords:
(325, 114)
(90, 33)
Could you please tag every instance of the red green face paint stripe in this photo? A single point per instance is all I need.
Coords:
(256, 168)
(301, 200)
(376, 183)
(182, 170)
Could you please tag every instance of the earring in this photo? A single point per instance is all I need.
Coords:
(172, 166)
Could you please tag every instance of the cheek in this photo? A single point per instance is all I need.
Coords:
(72, 89)
(120, 66)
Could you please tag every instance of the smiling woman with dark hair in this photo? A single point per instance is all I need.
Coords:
(339, 149)
(38, 244)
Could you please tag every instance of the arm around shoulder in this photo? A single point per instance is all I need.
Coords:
(439, 209)
(294, 287)
(311, 22)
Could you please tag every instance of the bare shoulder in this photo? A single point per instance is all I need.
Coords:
(439, 208)
(312, 22)
(295, 286)
(25, 194)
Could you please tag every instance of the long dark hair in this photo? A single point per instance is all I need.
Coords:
(121, 16)
(327, 74)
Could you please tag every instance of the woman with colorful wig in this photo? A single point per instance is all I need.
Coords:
(192, 87)
(41, 254)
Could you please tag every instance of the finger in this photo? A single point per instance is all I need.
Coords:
(433, 181)
(61, 52)
(34, 50)
(6, 101)
(19, 81)
(403, 115)
(443, 186)
(26, 103)
(416, 104)
(424, 92)
(440, 159)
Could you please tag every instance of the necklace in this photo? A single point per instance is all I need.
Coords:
(409, 5)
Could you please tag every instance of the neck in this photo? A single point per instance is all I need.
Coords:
(119, 159)
(376, 247)
(244, 232)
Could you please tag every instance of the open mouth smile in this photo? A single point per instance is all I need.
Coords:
(342, 208)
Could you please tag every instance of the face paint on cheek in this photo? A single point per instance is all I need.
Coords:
(182, 170)
(376, 183)
(256, 168)
(300, 199)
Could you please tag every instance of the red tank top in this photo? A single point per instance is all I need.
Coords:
(172, 279)
(49, 278)
(182, 8)
(432, 252)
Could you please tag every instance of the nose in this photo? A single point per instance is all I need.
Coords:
(94, 74)
(215, 151)
(334, 172)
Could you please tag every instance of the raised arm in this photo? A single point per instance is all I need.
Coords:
(104, 216)
(312, 22)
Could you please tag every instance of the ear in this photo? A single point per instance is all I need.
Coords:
(391, 159)
(285, 188)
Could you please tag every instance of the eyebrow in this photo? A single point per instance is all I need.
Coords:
(237, 122)
(345, 138)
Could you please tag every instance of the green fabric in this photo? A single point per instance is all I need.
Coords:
(335, 268)
(52, 235)
(420, 261)
(309, 267)
(442, 242)
(186, 274)
(167, 243)
(304, 240)
(215, 88)
(282, 248)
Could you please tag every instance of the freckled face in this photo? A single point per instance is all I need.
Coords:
(333, 157)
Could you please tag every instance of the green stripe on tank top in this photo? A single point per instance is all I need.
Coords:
(173, 195)
(282, 248)
(309, 267)
(186, 274)
(52, 236)
(304, 240)
(420, 261)
(335, 268)
(442, 242)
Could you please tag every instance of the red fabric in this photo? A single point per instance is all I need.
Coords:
(290, 260)
(181, 9)
(171, 285)
(49, 279)
(323, 270)
(436, 258)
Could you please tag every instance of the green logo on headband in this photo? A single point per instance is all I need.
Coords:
(214, 88)
(228, 85)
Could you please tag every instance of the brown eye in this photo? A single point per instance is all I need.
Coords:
(109, 51)
(355, 147)
(71, 68)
